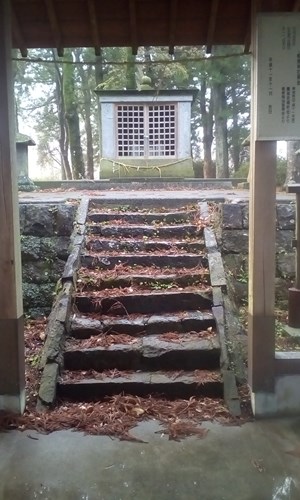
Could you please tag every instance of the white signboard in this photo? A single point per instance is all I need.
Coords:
(278, 76)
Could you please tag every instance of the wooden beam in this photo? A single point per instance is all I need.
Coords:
(12, 372)
(247, 41)
(133, 26)
(296, 6)
(172, 27)
(212, 25)
(18, 34)
(94, 26)
(56, 32)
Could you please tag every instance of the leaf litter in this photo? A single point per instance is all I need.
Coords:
(115, 416)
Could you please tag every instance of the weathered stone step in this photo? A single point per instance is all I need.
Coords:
(142, 218)
(144, 303)
(106, 261)
(135, 245)
(171, 385)
(83, 327)
(178, 231)
(147, 354)
(158, 282)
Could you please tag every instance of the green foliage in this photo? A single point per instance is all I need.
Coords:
(281, 167)
(242, 172)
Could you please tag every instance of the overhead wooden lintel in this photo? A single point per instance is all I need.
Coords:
(55, 27)
(133, 26)
(172, 25)
(211, 25)
(94, 25)
(18, 34)
(296, 6)
(247, 42)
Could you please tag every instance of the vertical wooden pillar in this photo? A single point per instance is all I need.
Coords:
(262, 235)
(12, 377)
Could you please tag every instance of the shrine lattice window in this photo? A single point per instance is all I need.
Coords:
(146, 130)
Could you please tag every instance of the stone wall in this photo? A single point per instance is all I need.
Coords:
(45, 238)
(232, 224)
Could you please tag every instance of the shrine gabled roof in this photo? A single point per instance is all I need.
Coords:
(134, 23)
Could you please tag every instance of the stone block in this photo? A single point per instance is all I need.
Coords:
(64, 219)
(284, 239)
(40, 296)
(235, 241)
(22, 215)
(286, 264)
(42, 271)
(39, 220)
(30, 248)
(245, 216)
(286, 216)
(55, 247)
(53, 348)
(47, 391)
(232, 216)
(236, 264)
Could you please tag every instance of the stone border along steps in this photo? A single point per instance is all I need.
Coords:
(120, 325)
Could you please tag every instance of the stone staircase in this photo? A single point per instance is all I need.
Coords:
(143, 319)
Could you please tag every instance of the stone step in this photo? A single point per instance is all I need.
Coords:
(178, 231)
(142, 218)
(83, 327)
(171, 385)
(106, 261)
(144, 303)
(147, 354)
(143, 245)
(155, 282)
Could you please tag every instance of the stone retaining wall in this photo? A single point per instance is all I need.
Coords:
(232, 224)
(45, 238)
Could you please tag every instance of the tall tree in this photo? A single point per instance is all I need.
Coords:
(72, 117)
(293, 162)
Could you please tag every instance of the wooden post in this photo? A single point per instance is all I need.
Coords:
(262, 235)
(12, 377)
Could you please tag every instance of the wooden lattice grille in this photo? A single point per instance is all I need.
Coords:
(131, 130)
(162, 130)
(146, 130)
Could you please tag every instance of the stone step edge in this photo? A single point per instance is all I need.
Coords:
(174, 385)
(141, 323)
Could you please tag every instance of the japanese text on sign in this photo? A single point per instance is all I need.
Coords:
(278, 76)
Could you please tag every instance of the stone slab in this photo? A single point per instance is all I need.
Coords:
(107, 261)
(146, 303)
(231, 396)
(216, 269)
(176, 231)
(167, 383)
(48, 385)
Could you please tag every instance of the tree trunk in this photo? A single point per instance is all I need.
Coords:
(66, 172)
(130, 71)
(99, 76)
(235, 133)
(219, 103)
(207, 124)
(293, 162)
(72, 118)
(85, 77)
